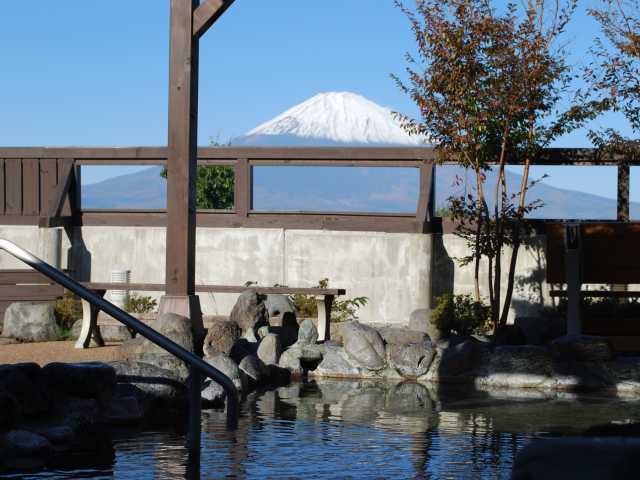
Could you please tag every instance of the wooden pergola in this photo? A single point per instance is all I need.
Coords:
(190, 19)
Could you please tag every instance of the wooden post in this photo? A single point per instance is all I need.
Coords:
(424, 212)
(623, 192)
(572, 276)
(181, 165)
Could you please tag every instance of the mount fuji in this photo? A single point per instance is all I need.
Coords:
(331, 119)
(341, 119)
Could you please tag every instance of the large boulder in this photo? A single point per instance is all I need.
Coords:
(401, 335)
(291, 360)
(250, 313)
(226, 365)
(21, 449)
(270, 349)
(420, 321)
(625, 372)
(411, 360)
(85, 380)
(454, 359)
(286, 326)
(30, 322)
(525, 366)
(253, 368)
(336, 364)
(308, 333)
(176, 327)
(278, 305)
(150, 381)
(582, 348)
(24, 392)
(364, 345)
(221, 337)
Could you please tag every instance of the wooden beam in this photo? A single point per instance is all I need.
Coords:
(623, 192)
(182, 151)
(53, 217)
(206, 15)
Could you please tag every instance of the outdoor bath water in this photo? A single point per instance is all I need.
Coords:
(354, 429)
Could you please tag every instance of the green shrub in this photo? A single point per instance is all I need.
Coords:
(341, 310)
(140, 304)
(67, 310)
(460, 314)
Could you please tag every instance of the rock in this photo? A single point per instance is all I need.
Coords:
(277, 305)
(582, 348)
(335, 363)
(270, 349)
(456, 359)
(20, 449)
(262, 332)
(585, 458)
(626, 374)
(249, 313)
(151, 381)
(286, 326)
(253, 368)
(25, 388)
(178, 328)
(85, 380)
(364, 345)
(57, 435)
(525, 366)
(308, 333)
(509, 335)
(212, 394)
(411, 360)
(409, 398)
(536, 330)
(126, 410)
(400, 335)
(227, 366)
(31, 322)
(110, 330)
(9, 410)
(290, 359)
(420, 321)
(221, 337)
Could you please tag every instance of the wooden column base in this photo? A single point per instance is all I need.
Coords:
(187, 306)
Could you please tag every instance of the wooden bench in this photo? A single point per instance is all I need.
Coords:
(25, 286)
(595, 253)
(324, 300)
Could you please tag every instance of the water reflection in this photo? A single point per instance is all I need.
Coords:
(347, 429)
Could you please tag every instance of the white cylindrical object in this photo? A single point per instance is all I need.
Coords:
(119, 297)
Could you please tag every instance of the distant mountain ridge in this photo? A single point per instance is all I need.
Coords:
(340, 119)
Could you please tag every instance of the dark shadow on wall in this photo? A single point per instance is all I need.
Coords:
(442, 269)
(529, 289)
(78, 256)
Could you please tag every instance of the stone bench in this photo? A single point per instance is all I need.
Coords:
(324, 301)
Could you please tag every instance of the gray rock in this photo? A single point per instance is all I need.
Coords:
(30, 322)
(277, 305)
(152, 381)
(626, 374)
(456, 359)
(85, 380)
(57, 435)
(249, 313)
(25, 391)
(411, 360)
(364, 345)
(20, 449)
(221, 337)
(308, 333)
(582, 348)
(400, 335)
(253, 368)
(213, 395)
(336, 364)
(262, 332)
(420, 321)
(227, 366)
(270, 349)
(126, 410)
(600, 458)
(290, 360)
(178, 328)
(511, 366)
(312, 353)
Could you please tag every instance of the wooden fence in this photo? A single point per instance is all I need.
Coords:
(41, 186)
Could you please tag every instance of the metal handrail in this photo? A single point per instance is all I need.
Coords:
(197, 366)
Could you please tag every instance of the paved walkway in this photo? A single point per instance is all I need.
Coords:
(47, 352)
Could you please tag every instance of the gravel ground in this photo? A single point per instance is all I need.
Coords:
(47, 352)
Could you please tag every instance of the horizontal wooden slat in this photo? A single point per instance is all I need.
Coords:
(159, 287)
(12, 277)
(30, 292)
(599, 293)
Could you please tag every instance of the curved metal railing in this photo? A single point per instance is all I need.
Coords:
(197, 366)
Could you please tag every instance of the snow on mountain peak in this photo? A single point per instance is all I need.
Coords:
(335, 117)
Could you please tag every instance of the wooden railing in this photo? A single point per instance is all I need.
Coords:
(41, 186)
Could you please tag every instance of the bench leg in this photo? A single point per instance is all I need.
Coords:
(89, 326)
(324, 304)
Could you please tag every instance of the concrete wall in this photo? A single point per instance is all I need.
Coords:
(391, 269)
(398, 272)
(531, 291)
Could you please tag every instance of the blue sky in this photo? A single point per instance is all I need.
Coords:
(78, 72)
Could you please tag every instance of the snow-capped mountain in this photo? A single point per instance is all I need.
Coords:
(333, 118)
